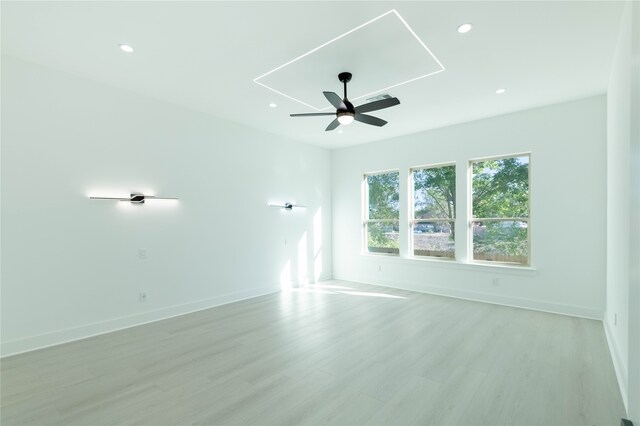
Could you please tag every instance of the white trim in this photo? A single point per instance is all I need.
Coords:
(307, 280)
(534, 305)
(618, 365)
(432, 219)
(501, 157)
(471, 219)
(58, 337)
(365, 210)
(381, 172)
(382, 253)
(475, 266)
(412, 208)
(433, 166)
(500, 219)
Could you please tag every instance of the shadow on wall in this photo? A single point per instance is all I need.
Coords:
(296, 276)
(296, 269)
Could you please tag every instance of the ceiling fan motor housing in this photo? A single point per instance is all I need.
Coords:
(344, 77)
(345, 111)
(348, 109)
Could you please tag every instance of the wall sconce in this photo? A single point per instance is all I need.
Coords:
(135, 198)
(286, 206)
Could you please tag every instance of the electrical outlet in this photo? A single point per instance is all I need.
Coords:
(142, 253)
(143, 296)
(495, 282)
(379, 268)
(615, 319)
(285, 241)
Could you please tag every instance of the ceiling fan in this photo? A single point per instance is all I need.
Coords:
(346, 112)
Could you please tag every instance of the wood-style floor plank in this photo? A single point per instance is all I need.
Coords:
(338, 353)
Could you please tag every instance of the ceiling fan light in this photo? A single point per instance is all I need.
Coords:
(345, 118)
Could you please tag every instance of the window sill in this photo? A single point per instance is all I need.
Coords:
(456, 264)
(375, 254)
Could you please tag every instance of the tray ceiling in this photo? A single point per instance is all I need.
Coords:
(205, 56)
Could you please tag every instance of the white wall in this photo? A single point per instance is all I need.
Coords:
(634, 221)
(70, 265)
(622, 320)
(567, 145)
(618, 136)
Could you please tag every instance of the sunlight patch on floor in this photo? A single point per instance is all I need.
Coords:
(336, 289)
(367, 294)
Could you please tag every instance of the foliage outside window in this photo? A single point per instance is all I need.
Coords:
(382, 199)
(434, 207)
(500, 210)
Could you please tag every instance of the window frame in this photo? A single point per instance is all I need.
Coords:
(413, 221)
(365, 211)
(471, 219)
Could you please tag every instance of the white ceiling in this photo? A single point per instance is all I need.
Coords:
(206, 55)
(382, 53)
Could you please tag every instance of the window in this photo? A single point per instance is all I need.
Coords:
(500, 230)
(382, 214)
(434, 207)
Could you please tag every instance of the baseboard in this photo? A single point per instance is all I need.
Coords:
(618, 365)
(536, 305)
(89, 330)
(300, 282)
(323, 277)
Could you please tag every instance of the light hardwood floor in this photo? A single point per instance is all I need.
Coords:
(339, 353)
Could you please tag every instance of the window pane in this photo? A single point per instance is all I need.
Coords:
(501, 241)
(501, 188)
(382, 237)
(434, 193)
(436, 239)
(384, 195)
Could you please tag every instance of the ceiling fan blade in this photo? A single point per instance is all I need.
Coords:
(334, 99)
(376, 105)
(312, 114)
(369, 119)
(335, 123)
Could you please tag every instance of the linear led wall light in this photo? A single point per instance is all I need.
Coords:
(286, 206)
(135, 198)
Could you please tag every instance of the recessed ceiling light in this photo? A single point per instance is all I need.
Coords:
(126, 48)
(340, 131)
(272, 105)
(464, 28)
(501, 91)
